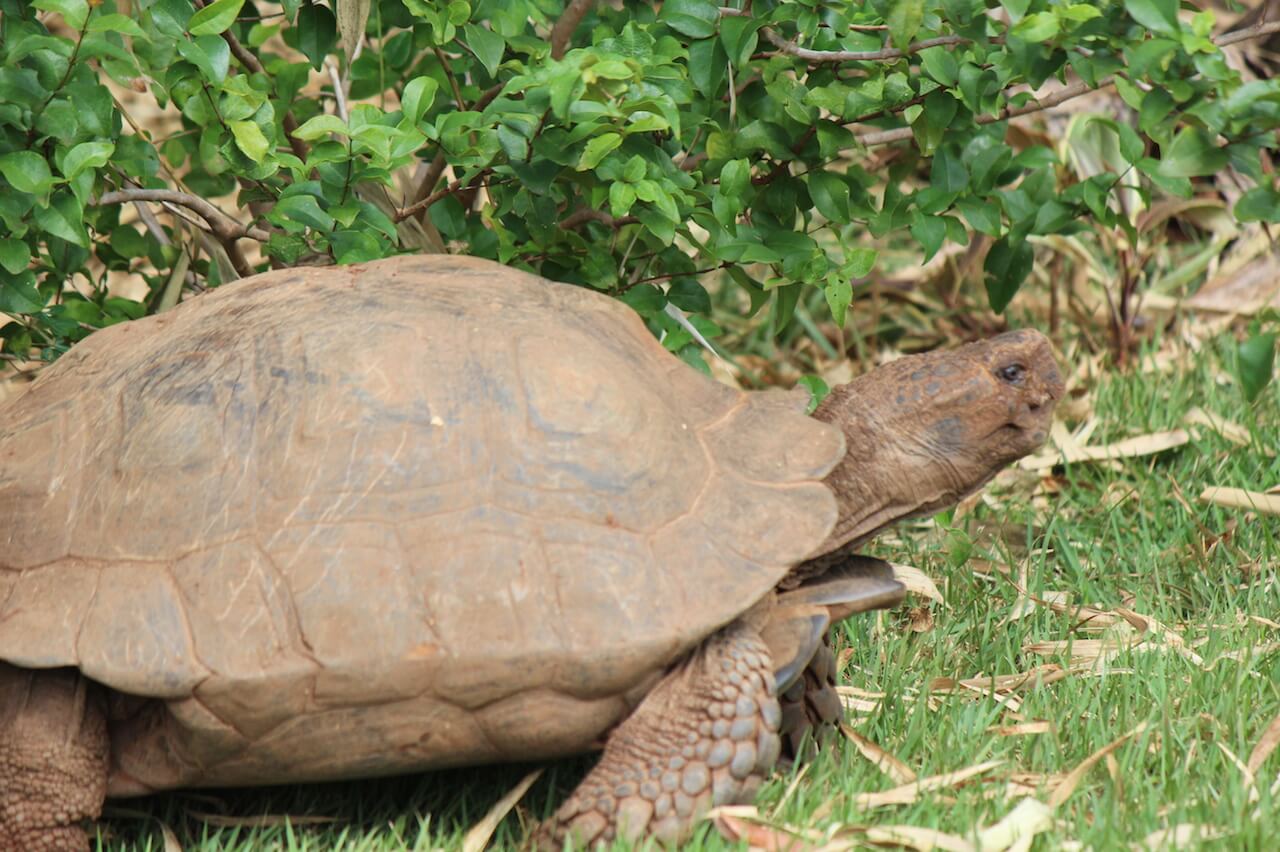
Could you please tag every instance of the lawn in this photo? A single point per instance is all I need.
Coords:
(1106, 642)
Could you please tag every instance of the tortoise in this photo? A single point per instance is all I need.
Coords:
(432, 511)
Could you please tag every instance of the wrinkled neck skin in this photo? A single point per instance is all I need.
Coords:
(891, 472)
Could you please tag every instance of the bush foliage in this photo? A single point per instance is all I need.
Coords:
(624, 146)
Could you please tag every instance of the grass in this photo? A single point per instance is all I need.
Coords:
(1210, 574)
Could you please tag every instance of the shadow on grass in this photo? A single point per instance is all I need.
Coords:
(424, 810)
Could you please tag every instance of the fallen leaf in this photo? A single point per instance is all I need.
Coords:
(917, 582)
(1239, 498)
(1147, 624)
(1266, 744)
(744, 823)
(886, 762)
(1037, 676)
(1068, 786)
(478, 836)
(1027, 819)
(1179, 836)
(914, 837)
(909, 793)
(1142, 445)
(1233, 432)
(920, 619)
(1022, 730)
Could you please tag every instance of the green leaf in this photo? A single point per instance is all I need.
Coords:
(818, 390)
(830, 195)
(208, 53)
(1192, 154)
(419, 94)
(735, 177)
(27, 172)
(597, 149)
(1255, 364)
(940, 64)
(905, 17)
(64, 218)
(948, 173)
(694, 18)
(859, 262)
(1036, 28)
(1260, 204)
(635, 170)
(839, 293)
(18, 295)
(14, 255)
(784, 307)
(116, 23)
(1159, 16)
(738, 35)
(621, 197)
(317, 33)
(688, 295)
(487, 45)
(214, 18)
(303, 209)
(1016, 8)
(72, 11)
(320, 127)
(249, 139)
(86, 155)
(355, 247)
(929, 231)
(1008, 264)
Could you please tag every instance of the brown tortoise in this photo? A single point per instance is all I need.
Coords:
(432, 511)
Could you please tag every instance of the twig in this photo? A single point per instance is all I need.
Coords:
(431, 176)
(1075, 90)
(573, 14)
(1259, 29)
(587, 214)
(453, 187)
(246, 58)
(883, 55)
(339, 95)
(1053, 99)
(223, 226)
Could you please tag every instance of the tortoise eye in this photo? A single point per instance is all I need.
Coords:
(1012, 373)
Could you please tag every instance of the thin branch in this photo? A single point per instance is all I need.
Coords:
(587, 214)
(339, 95)
(223, 226)
(453, 81)
(431, 175)
(572, 15)
(1053, 99)
(247, 58)
(882, 55)
(452, 188)
(1259, 29)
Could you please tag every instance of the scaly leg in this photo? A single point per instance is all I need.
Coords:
(53, 759)
(706, 735)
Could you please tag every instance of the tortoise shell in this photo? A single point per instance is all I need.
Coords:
(421, 512)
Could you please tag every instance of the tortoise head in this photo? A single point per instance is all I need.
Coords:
(926, 430)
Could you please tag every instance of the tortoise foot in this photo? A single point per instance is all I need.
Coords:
(811, 708)
(707, 735)
(53, 759)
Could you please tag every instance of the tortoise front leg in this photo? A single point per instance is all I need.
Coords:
(706, 735)
(811, 706)
(53, 759)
